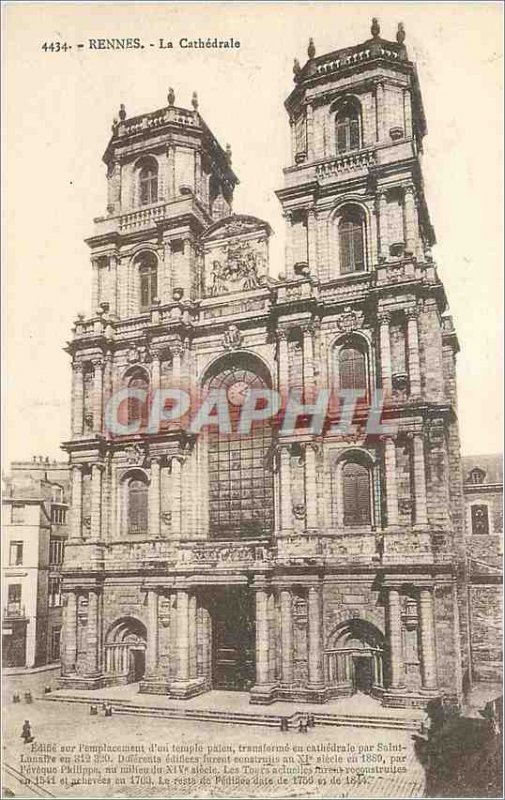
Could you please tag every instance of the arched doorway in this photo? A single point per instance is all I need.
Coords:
(125, 647)
(354, 658)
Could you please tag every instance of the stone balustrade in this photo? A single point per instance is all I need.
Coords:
(350, 162)
(391, 53)
(157, 119)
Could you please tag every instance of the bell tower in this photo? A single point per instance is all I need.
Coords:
(168, 179)
(353, 196)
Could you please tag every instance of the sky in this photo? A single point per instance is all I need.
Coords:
(57, 112)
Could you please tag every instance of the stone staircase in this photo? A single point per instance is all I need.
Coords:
(256, 717)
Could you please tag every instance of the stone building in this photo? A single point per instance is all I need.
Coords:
(303, 565)
(483, 492)
(34, 531)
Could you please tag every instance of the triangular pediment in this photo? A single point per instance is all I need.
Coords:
(236, 225)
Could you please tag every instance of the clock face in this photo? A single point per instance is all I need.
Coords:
(238, 392)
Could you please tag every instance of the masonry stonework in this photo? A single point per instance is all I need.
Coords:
(293, 565)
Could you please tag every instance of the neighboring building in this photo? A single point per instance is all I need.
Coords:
(35, 505)
(483, 488)
(293, 566)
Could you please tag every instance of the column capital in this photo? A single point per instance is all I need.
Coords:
(78, 367)
(384, 317)
(412, 313)
(98, 465)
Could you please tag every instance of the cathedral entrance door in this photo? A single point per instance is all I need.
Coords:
(233, 639)
(363, 674)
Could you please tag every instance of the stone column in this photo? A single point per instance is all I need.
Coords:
(192, 613)
(292, 129)
(70, 633)
(311, 502)
(76, 507)
(380, 111)
(420, 503)
(155, 372)
(308, 363)
(171, 172)
(96, 503)
(77, 399)
(314, 655)
(411, 221)
(113, 284)
(285, 487)
(427, 640)
(94, 286)
(152, 633)
(182, 635)
(391, 481)
(385, 352)
(286, 636)
(394, 637)
(312, 240)
(382, 226)
(262, 663)
(310, 132)
(98, 395)
(198, 174)
(154, 499)
(176, 499)
(177, 350)
(92, 633)
(288, 251)
(283, 361)
(413, 353)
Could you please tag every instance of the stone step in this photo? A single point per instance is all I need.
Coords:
(247, 718)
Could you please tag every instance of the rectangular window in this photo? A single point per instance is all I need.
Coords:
(14, 598)
(16, 554)
(58, 515)
(56, 551)
(54, 592)
(18, 514)
(480, 520)
(55, 644)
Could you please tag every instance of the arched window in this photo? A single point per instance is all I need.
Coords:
(241, 490)
(352, 368)
(356, 494)
(351, 238)
(137, 409)
(137, 505)
(347, 125)
(148, 274)
(148, 183)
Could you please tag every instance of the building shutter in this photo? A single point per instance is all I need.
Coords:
(137, 507)
(356, 494)
(352, 369)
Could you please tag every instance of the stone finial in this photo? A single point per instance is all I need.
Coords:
(114, 125)
(122, 112)
(171, 97)
(228, 153)
(194, 101)
(296, 68)
(400, 33)
(375, 28)
(311, 49)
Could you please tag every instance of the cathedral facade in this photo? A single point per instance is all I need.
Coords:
(290, 564)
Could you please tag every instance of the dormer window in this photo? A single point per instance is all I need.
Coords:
(148, 183)
(347, 124)
(476, 475)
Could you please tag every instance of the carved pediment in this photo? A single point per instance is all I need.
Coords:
(236, 225)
